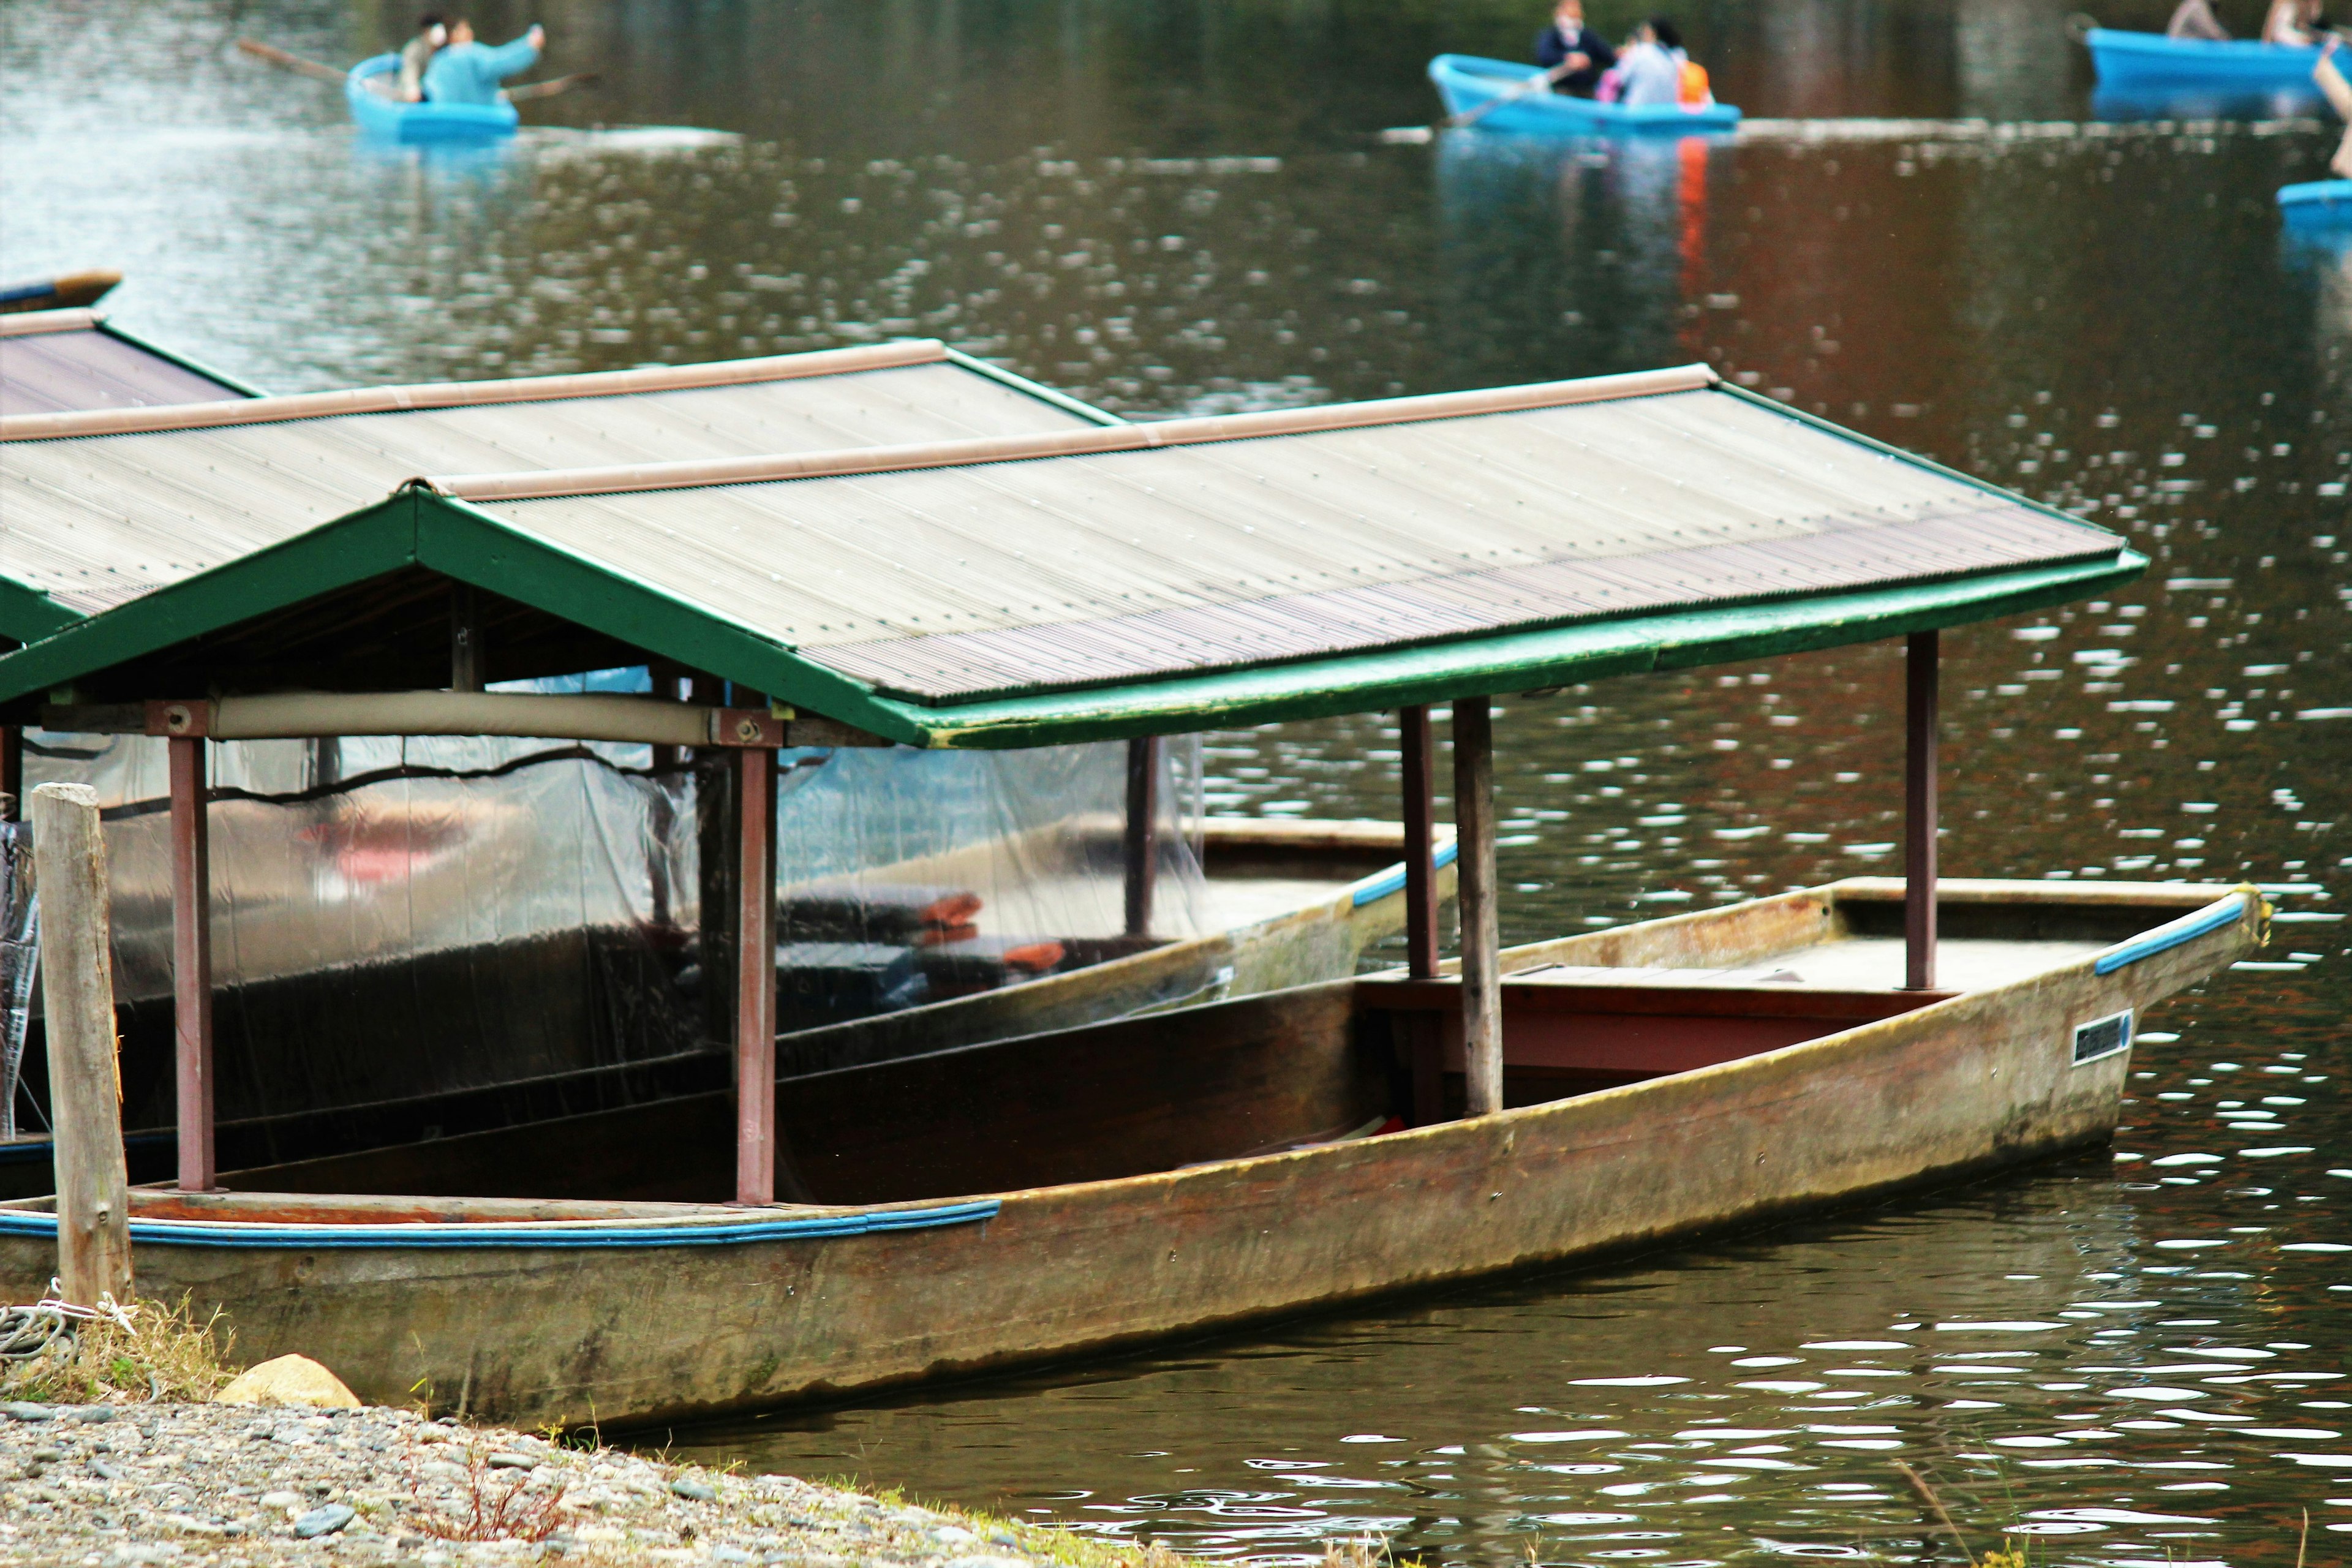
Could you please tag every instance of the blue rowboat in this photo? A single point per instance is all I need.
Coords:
(366, 89)
(2151, 59)
(1465, 81)
(2318, 203)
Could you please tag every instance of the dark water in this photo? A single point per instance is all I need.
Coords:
(1168, 205)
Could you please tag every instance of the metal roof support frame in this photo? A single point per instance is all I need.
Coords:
(1922, 654)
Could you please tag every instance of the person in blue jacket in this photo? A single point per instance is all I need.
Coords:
(1572, 52)
(464, 71)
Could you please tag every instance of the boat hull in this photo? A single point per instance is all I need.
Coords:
(2318, 203)
(1937, 1087)
(1465, 81)
(2128, 60)
(389, 119)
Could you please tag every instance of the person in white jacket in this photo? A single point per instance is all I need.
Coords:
(1650, 68)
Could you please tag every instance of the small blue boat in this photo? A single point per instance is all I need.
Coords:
(367, 90)
(1465, 81)
(2318, 203)
(2151, 59)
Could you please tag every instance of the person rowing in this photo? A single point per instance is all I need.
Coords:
(2296, 23)
(465, 71)
(432, 32)
(1573, 54)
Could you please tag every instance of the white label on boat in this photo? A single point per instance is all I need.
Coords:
(2103, 1038)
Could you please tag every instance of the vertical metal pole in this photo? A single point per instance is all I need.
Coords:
(1919, 672)
(84, 1079)
(465, 639)
(1142, 838)
(1482, 965)
(192, 962)
(1420, 833)
(715, 893)
(755, 996)
(1422, 1031)
(12, 772)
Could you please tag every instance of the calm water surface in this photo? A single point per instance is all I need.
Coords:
(1169, 206)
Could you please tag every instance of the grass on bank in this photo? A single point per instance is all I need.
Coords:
(136, 1354)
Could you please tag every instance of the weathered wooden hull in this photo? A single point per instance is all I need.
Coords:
(631, 1334)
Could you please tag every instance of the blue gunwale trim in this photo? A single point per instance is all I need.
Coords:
(1380, 884)
(558, 1235)
(2187, 929)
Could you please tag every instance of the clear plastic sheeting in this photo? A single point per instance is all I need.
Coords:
(408, 922)
(906, 877)
(20, 960)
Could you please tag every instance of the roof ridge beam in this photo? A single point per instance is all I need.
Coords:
(536, 485)
(466, 393)
(33, 323)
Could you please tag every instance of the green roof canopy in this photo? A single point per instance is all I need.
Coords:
(1139, 579)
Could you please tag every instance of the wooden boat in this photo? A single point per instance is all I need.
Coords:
(2318, 203)
(367, 89)
(1178, 1173)
(1465, 81)
(1081, 1188)
(2128, 59)
(73, 290)
(1296, 902)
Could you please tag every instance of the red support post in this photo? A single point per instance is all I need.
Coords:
(755, 997)
(1920, 659)
(1482, 947)
(1420, 838)
(192, 962)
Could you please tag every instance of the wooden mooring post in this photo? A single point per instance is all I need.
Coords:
(85, 1076)
(1482, 956)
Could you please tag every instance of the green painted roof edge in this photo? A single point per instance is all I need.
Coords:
(1036, 389)
(237, 384)
(1889, 450)
(27, 614)
(1515, 662)
(366, 543)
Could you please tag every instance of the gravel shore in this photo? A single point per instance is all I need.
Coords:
(205, 1484)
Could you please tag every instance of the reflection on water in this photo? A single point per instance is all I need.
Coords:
(1172, 205)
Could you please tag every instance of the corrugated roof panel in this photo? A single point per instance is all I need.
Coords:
(952, 583)
(96, 520)
(92, 368)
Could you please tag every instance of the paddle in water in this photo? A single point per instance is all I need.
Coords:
(294, 62)
(1413, 135)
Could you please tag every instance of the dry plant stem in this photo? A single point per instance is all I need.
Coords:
(493, 1512)
(2303, 1543)
(1919, 1484)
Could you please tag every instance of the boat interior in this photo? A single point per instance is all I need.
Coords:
(1283, 1070)
(437, 1044)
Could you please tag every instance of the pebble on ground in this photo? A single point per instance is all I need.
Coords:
(220, 1484)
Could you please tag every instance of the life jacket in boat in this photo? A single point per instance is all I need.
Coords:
(1695, 92)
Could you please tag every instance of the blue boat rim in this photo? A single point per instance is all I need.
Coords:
(559, 1235)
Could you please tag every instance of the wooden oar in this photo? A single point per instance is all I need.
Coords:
(550, 87)
(279, 57)
(1416, 134)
